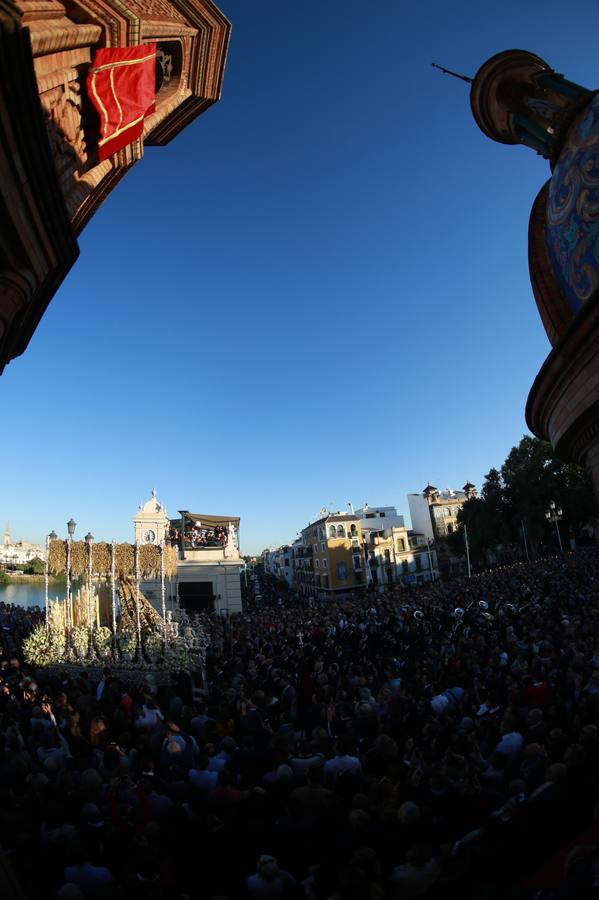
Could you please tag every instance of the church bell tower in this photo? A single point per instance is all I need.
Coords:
(85, 87)
(151, 522)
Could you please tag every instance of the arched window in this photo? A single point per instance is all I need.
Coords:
(340, 531)
(353, 529)
(169, 63)
(342, 571)
(332, 531)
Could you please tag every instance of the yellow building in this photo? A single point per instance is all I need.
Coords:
(330, 560)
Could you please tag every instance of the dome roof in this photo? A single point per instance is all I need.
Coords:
(492, 114)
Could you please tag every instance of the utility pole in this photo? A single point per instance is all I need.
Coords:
(525, 542)
(430, 559)
(554, 514)
(467, 551)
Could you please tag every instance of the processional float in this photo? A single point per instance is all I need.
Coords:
(108, 620)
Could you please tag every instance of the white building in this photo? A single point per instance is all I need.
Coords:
(395, 554)
(279, 563)
(434, 513)
(389, 514)
(151, 522)
(209, 564)
(20, 552)
(151, 526)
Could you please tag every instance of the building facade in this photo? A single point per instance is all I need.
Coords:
(330, 560)
(434, 513)
(395, 554)
(517, 98)
(17, 553)
(151, 526)
(279, 563)
(85, 86)
(209, 563)
(151, 523)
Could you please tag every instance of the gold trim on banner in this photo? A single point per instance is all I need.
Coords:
(120, 130)
(124, 62)
(116, 99)
(100, 104)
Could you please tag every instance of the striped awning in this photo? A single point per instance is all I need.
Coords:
(204, 520)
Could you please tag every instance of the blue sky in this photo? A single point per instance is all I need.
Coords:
(318, 293)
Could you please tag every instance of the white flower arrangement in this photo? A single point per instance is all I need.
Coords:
(127, 642)
(103, 637)
(176, 659)
(153, 644)
(44, 647)
(80, 640)
(48, 647)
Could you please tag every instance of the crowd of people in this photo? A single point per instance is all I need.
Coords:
(198, 536)
(206, 537)
(354, 749)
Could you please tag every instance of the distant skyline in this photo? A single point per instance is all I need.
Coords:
(317, 293)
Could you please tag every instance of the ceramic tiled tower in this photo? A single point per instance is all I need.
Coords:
(517, 98)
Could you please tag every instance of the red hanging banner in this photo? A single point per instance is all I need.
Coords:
(121, 86)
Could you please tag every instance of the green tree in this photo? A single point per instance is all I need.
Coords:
(35, 567)
(533, 477)
(485, 519)
(529, 479)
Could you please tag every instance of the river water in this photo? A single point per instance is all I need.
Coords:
(29, 595)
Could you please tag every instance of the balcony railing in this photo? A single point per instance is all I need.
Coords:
(304, 552)
(205, 545)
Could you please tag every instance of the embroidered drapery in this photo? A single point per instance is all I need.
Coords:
(121, 86)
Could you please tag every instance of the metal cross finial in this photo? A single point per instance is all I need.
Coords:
(454, 74)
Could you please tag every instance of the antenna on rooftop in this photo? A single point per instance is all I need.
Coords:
(453, 74)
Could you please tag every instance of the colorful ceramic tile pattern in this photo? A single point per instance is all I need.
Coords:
(572, 229)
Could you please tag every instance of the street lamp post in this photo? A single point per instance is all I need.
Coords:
(89, 540)
(139, 651)
(554, 514)
(46, 604)
(71, 525)
(51, 537)
(163, 593)
(113, 593)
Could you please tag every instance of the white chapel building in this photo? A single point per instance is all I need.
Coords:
(209, 564)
